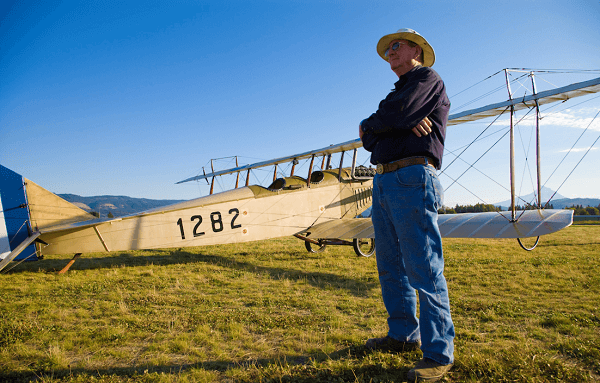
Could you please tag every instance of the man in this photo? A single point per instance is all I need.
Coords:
(406, 139)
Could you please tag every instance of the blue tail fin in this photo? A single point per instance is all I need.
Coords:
(15, 221)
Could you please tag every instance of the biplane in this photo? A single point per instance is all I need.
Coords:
(319, 207)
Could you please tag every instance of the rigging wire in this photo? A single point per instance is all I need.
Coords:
(527, 72)
(480, 157)
(526, 161)
(481, 172)
(15, 236)
(475, 195)
(6, 270)
(477, 83)
(516, 80)
(497, 89)
(474, 140)
(555, 71)
(569, 151)
(566, 107)
(547, 111)
(547, 115)
(575, 167)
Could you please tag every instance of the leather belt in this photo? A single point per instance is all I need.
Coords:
(393, 166)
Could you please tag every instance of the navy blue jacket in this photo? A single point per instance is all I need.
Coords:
(388, 132)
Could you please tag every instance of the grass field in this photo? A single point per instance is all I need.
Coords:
(271, 312)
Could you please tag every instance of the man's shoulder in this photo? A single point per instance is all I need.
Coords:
(427, 72)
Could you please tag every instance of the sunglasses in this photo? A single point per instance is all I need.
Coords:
(395, 46)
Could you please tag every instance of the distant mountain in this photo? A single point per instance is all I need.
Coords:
(568, 202)
(530, 198)
(117, 205)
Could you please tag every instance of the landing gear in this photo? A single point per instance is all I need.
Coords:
(364, 247)
(315, 248)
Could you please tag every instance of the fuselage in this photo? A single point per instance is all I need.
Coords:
(240, 215)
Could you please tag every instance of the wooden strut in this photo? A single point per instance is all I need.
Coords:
(294, 162)
(212, 182)
(101, 239)
(237, 178)
(71, 262)
(340, 169)
(312, 160)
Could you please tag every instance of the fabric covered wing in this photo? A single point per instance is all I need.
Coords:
(530, 223)
(343, 229)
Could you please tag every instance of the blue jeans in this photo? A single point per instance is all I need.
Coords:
(409, 257)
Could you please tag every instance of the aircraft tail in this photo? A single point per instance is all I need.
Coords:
(25, 209)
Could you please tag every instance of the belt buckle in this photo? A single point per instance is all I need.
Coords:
(379, 169)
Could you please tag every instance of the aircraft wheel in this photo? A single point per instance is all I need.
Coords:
(364, 247)
(313, 248)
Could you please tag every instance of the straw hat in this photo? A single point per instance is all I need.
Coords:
(410, 35)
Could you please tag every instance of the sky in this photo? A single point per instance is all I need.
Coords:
(128, 98)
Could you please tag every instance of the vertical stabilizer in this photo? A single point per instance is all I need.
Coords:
(15, 225)
(47, 209)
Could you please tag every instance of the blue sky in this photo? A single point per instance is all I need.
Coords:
(127, 98)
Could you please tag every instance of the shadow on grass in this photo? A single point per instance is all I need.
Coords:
(284, 369)
(178, 257)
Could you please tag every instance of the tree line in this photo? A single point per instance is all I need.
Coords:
(477, 208)
(483, 207)
(588, 210)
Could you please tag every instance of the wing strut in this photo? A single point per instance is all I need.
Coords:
(237, 177)
(312, 160)
(537, 143)
(512, 151)
(512, 146)
(340, 168)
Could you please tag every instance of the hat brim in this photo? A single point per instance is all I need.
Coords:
(428, 53)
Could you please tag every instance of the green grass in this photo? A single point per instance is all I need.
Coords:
(590, 222)
(271, 312)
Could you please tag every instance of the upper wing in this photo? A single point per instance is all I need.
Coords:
(531, 223)
(545, 97)
(344, 146)
(558, 94)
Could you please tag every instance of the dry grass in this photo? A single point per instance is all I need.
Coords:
(271, 312)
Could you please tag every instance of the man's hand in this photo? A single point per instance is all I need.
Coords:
(423, 128)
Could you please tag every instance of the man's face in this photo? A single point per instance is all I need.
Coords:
(402, 56)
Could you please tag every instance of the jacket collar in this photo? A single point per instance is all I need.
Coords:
(404, 78)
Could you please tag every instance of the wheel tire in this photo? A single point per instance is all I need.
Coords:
(364, 247)
(313, 248)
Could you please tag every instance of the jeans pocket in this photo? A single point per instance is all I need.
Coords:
(411, 177)
(438, 190)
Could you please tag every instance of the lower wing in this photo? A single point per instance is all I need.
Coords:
(529, 223)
